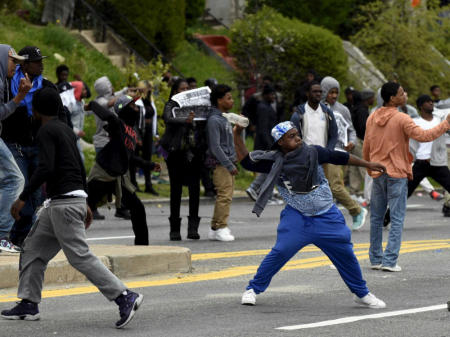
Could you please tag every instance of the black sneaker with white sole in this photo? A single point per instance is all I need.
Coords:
(128, 302)
(24, 310)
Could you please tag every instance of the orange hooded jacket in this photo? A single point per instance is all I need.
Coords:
(387, 140)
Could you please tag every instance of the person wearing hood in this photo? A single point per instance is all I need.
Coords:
(310, 216)
(221, 149)
(346, 142)
(387, 141)
(110, 173)
(63, 219)
(106, 97)
(20, 131)
(11, 178)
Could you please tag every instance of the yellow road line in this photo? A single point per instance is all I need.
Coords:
(306, 263)
(309, 248)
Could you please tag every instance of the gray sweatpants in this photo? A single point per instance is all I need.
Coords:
(60, 225)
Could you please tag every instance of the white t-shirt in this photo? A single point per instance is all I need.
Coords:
(424, 150)
(315, 126)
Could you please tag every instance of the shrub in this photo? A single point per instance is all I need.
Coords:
(403, 49)
(268, 43)
(162, 22)
(194, 9)
(331, 14)
(10, 6)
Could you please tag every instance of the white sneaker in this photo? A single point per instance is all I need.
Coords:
(212, 234)
(274, 202)
(222, 234)
(393, 269)
(370, 301)
(248, 297)
(252, 193)
(375, 266)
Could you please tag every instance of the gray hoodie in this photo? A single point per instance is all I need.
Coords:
(327, 84)
(104, 90)
(10, 106)
(220, 139)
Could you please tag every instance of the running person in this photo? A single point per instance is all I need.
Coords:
(310, 216)
(62, 221)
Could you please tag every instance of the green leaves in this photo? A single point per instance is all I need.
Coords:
(268, 43)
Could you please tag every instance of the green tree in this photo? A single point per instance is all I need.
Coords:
(399, 41)
(331, 14)
(267, 43)
(152, 72)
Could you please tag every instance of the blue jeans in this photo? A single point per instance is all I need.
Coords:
(393, 192)
(27, 160)
(328, 232)
(11, 185)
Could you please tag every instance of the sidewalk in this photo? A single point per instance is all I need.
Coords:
(123, 261)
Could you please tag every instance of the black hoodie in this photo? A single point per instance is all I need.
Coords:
(116, 156)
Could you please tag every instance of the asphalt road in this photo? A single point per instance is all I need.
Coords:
(309, 292)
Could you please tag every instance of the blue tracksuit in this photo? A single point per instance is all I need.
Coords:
(324, 227)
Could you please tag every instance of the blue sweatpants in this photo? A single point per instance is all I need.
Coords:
(328, 232)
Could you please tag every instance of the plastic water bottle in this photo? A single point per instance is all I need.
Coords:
(236, 119)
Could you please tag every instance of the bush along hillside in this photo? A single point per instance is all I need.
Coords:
(406, 49)
(268, 43)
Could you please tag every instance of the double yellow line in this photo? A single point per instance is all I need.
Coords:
(361, 252)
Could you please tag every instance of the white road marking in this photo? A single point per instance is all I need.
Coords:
(111, 238)
(360, 318)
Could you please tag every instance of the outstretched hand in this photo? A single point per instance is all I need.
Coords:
(376, 167)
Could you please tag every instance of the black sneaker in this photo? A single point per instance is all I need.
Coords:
(97, 216)
(446, 211)
(24, 310)
(151, 190)
(123, 213)
(128, 302)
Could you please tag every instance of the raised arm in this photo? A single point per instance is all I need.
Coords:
(243, 156)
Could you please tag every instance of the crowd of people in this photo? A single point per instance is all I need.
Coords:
(301, 158)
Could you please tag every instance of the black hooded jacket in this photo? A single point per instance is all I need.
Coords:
(116, 156)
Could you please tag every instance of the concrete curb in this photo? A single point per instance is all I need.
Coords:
(123, 261)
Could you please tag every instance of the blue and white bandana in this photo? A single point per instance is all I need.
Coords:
(280, 129)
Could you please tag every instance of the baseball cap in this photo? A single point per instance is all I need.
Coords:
(279, 130)
(122, 102)
(31, 53)
(12, 53)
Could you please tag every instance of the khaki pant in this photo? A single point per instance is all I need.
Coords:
(356, 174)
(335, 176)
(224, 183)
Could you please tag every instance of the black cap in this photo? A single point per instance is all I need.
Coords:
(422, 99)
(31, 53)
